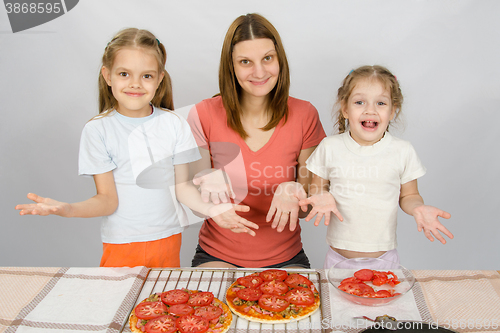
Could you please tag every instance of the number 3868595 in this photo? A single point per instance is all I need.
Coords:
(33, 8)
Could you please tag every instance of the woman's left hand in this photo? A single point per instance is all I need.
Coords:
(285, 205)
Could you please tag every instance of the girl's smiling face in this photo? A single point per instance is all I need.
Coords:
(369, 110)
(133, 79)
(256, 66)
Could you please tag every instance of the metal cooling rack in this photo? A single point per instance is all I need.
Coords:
(218, 281)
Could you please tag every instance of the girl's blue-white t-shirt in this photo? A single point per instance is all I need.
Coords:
(142, 153)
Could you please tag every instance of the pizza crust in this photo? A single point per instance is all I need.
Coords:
(225, 327)
(308, 311)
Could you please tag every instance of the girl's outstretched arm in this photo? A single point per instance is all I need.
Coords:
(411, 202)
(224, 214)
(103, 203)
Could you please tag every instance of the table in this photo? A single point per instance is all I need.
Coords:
(42, 299)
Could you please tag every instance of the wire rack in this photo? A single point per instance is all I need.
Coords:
(218, 281)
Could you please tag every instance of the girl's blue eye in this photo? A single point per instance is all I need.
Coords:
(381, 103)
(358, 102)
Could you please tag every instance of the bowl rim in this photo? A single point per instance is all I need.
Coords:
(392, 298)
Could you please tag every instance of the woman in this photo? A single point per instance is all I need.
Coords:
(260, 138)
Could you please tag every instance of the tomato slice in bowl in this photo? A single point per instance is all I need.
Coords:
(163, 324)
(150, 310)
(192, 324)
(273, 274)
(300, 296)
(201, 298)
(296, 280)
(273, 302)
(175, 296)
(274, 287)
(180, 310)
(250, 281)
(249, 294)
(209, 312)
(364, 274)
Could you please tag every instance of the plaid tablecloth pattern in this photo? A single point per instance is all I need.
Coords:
(67, 299)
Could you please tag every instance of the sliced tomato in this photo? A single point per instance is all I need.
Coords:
(209, 312)
(297, 280)
(150, 310)
(273, 303)
(300, 296)
(249, 294)
(393, 280)
(274, 287)
(273, 274)
(350, 287)
(175, 296)
(163, 324)
(378, 281)
(201, 298)
(192, 324)
(364, 274)
(350, 279)
(250, 281)
(180, 310)
(383, 294)
(365, 290)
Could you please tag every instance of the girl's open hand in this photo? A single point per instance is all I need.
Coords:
(215, 186)
(323, 204)
(225, 216)
(44, 206)
(285, 205)
(427, 220)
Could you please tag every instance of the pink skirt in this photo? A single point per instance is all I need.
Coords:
(333, 258)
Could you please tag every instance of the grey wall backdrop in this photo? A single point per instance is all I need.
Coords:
(444, 53)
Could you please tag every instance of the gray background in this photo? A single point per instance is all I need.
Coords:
(444, 53)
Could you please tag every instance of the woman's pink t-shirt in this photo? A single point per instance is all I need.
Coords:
(254, 177)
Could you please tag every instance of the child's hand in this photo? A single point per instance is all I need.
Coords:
(285, 205)
(427, 220)
(44, 206)
(225, 216)
(322, 204)
(215, 185)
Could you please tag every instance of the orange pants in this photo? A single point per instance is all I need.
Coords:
(159, 253)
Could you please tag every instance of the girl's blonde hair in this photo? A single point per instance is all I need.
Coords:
(380, 73)
(135, 38)
(249, 27)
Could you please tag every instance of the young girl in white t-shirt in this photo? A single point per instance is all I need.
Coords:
(138, 151)
(361, 174)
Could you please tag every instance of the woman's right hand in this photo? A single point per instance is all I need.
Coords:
(215, 186)
(44, 206)
(225, 216)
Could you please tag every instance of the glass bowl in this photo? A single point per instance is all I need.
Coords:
(346, 269)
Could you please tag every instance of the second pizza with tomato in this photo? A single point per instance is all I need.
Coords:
(273, 296)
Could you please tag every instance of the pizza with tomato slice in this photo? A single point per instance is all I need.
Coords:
(273, 296)
(181, 310)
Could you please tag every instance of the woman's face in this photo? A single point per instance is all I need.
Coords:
(256, 66)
